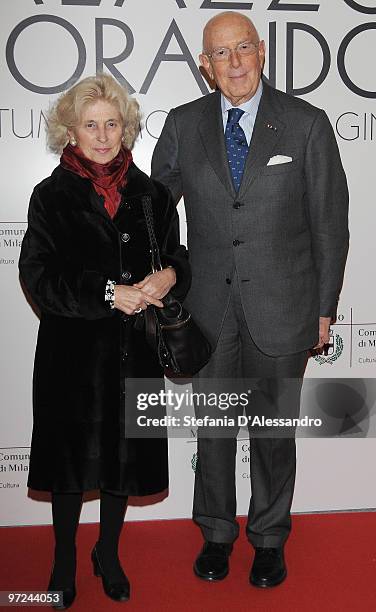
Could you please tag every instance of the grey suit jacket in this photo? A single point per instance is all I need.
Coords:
(285, 232)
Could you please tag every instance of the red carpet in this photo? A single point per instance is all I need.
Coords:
(331, 566)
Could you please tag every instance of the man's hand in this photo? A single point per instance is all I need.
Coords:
(131, 299)
(159, 283)
(324, 327)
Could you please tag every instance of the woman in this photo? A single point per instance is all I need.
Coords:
(85, 260)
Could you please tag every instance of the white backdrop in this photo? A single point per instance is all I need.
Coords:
(321, 50)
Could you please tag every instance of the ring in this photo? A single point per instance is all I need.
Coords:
(137, 311)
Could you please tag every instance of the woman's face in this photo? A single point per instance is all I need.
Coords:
(99, 132)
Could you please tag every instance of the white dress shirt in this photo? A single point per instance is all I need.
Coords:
(250, 108)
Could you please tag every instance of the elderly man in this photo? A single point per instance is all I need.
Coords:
(266, 202)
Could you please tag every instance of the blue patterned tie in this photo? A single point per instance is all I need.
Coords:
(236, 146)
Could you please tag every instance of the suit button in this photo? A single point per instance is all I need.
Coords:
(125, 237)
(236, 205)
(228, 281)
(236, 242)
(126, 275)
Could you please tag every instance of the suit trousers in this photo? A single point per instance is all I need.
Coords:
(272, 459)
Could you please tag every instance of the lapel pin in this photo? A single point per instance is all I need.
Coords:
(271, 127)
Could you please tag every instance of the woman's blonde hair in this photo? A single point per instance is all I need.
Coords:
(66, 111)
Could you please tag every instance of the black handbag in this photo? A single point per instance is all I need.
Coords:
(180, 344)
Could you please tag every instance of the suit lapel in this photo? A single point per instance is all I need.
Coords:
(267, 132)
(211, 132)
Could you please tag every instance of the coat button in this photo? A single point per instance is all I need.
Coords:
(236, 205)
(125, 237)
(236, 242)
(228, 281)
(126, 275)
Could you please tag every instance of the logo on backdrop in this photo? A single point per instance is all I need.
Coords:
(11, 236)
(175, 35)
(334, 352)
(277, 5)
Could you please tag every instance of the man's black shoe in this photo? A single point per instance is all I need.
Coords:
(212, 562)
(268, 567)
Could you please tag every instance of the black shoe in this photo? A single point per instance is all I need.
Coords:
(268, 567)
(212, 562)
(68, 593)
(118, 590)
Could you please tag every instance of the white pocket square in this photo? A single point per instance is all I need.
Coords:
(279, 159)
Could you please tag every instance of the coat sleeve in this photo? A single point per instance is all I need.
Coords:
(172, 252)
(165, 164)
(327, 198)
(55, 287)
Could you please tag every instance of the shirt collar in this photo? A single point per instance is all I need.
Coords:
(250, 107)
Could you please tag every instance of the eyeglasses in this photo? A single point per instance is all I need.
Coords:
(223, 53)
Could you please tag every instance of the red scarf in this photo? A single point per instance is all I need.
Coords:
(106, 178)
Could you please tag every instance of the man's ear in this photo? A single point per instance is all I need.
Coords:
(261, 53)
(205, 63)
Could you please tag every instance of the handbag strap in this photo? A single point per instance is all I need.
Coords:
(150, 317)
(156, 263)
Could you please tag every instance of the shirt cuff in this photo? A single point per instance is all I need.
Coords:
(109, 295)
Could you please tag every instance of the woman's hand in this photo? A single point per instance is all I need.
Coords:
(159, 283)
(132, 299)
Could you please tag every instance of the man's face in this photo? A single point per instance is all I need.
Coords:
(238, 76)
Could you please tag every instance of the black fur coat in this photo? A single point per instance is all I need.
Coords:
(86, 351)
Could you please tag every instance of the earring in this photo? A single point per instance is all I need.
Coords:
(122, 139)
(73, 142)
